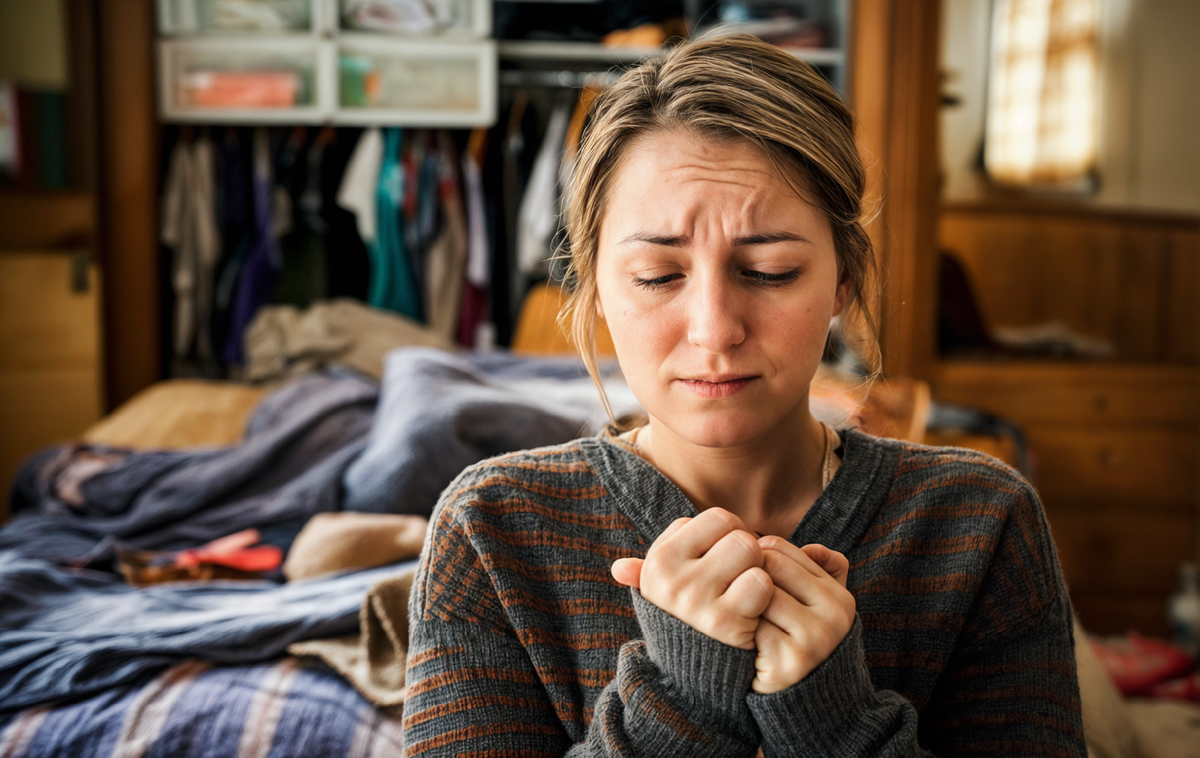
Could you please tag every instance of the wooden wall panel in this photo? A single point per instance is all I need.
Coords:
(49, 356)
(1115, 457)
(1182, 339)
(1098, 548)
(1140, 467)
(32, 220)
(1131, 280)
(1067, 393)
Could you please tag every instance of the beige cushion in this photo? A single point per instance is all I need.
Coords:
(348, 540)
(1165, 728)
(1107, 724)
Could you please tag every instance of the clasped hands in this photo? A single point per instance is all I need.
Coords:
(789, 604)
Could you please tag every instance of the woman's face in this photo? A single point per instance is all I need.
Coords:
(718, 283)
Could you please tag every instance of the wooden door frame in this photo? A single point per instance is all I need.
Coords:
(895, 46)
(127, 194)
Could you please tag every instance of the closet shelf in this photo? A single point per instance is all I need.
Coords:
(353, 79)
(572, 51)
(594, 51)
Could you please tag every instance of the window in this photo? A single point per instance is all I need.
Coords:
(1041, 121)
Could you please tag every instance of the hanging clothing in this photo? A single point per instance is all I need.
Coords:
(359, 184)
(538, 216)
(303, 279)
(208, 243)
(507, 182)
(478, 250)
(473, 315)
(176, 233)
(445, 273)
(348, 266)
(235, 215)
(189, 228)
(256, 282)
(393, 285)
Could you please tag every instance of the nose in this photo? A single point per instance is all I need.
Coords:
(715, 321)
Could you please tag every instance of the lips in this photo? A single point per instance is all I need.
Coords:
(717, 386)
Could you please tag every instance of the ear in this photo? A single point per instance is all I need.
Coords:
(842, 296)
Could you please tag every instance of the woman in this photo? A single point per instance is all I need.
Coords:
(733, 576)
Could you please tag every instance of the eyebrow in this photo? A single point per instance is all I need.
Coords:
(764, 238)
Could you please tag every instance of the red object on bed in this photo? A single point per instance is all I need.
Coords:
(1136, 663)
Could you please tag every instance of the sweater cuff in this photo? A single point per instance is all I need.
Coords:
(707, 671)
(808, 716)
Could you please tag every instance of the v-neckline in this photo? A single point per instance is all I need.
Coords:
(838, 518)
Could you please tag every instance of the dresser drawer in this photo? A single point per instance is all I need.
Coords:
(1135, 466)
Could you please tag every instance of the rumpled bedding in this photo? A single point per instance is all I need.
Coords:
(326, 442)
(316, 445)
(70, 633)
(194, 709)
(69, 501)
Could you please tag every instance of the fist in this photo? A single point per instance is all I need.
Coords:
(707, 572)
(809, 614)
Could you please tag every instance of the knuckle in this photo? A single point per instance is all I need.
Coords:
(722, 517)
(745, 544)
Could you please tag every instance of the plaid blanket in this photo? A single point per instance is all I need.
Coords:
(286, 707)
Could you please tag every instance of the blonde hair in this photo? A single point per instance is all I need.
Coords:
(726, 88)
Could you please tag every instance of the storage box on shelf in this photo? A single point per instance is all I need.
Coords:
(323, 61)
(418, 83)
(266, 79)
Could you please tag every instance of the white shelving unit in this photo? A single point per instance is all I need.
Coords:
(595, 57)
(300, 65)
(239, 62)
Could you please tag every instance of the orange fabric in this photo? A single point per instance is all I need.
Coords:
(538, 332)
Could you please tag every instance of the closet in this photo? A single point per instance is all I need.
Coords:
(315, 149)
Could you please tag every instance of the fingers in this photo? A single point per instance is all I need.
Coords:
(749, 594)
(780, 545)
(696, 537)
(775, 656)
(628, 571)
(673, 527)
(792, 577)
(834, 563)
(819, 560)
(730, 557)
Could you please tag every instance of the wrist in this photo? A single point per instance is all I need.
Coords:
(714, 675)
(812, 711)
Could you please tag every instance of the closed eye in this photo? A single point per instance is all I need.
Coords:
(772, 280)
(656, 282)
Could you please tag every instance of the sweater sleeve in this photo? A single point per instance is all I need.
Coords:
(473, 688)
(1010, 688)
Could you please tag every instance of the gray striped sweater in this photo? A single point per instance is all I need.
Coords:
(523, 645)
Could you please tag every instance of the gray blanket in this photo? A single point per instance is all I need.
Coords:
(319, 444)
(316, 445)
(72, 633)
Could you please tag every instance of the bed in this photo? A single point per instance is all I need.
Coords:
(91, 666)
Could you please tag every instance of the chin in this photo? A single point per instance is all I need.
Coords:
(728, 429)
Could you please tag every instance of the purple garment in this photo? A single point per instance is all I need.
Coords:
(256, 283)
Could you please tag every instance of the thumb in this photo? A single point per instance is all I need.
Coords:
(628, 571)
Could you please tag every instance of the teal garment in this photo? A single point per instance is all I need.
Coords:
(393, 286)
(387, 224)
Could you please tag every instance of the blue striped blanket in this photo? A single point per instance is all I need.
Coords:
(286, 707)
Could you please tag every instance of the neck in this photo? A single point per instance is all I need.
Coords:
(769, 482)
